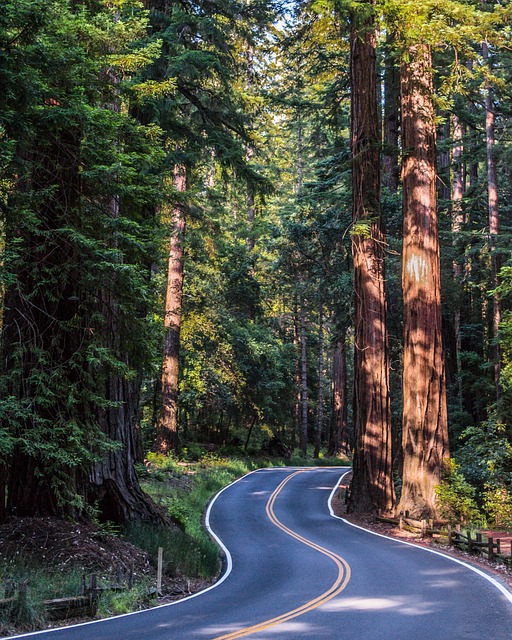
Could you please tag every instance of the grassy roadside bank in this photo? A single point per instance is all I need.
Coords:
(51, 557)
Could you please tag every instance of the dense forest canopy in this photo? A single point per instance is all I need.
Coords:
(257, 226)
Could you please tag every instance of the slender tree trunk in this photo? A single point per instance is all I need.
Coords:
(167, 432)
(248, 156)
(297, 379)
(320, 407)
(492, 198)
(425, 423)
(458, 185)
(443, 163)
(339, 445)
(372, 484)
(390, 169)
(303, 436)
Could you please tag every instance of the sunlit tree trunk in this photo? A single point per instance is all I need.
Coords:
(167, 430)
(372, 483)
(425, 424)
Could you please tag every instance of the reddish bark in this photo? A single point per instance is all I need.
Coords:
(167, 430)
(320, 407)
(338, 442)
(372, 484)
(425, 428)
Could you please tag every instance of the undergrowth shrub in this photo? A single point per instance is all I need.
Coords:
(456, 497)
(498, 506)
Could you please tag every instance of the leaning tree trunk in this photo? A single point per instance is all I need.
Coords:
(425, 424)
(372, 483)
(167, 430)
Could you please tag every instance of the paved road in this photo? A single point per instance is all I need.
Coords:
(294, 571)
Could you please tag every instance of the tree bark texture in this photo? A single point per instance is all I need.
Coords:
(390, 165)
(425, 428)
(339, 445)
(303, 435)
(494, 218)
(372, 484)
(167, 430)
(113, 486)
(458, 187)
(320, 407)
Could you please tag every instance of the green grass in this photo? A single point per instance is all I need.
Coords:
(184, 489)
(188, 550)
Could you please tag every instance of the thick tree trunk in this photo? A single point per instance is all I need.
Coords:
(338, 444)
(425, 425)
(303, 435)
(167, 431)
(113, 486)
(320, 407)
(372, 483)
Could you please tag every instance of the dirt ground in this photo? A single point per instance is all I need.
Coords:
(368, 521)
(57, 545)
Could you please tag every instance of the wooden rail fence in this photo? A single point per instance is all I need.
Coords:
(85, 604)
(475, 543)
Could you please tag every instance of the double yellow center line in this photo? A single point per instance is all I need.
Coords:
(337, 587)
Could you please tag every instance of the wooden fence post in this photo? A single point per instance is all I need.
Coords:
(159, 570)
(490, 548)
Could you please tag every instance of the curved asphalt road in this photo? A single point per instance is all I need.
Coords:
(298, 572)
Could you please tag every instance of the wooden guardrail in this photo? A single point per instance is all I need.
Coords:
(475, 543)
(85, 604)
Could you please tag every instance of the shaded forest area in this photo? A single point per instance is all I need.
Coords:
(261, 228)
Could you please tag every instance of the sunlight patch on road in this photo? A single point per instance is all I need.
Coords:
(405, 605)
(290, 629)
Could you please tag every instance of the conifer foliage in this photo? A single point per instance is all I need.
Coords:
(206, 238)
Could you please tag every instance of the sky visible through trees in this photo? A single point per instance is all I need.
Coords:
(271, 228)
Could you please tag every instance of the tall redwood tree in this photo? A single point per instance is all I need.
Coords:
(425, 423)
(372, 484)
(167, 430)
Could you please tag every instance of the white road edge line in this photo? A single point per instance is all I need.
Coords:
(227, 571)
(489, 578)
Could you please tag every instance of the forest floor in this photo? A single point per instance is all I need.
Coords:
(49, 549)
(57, 546)
(369, 521)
